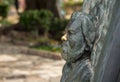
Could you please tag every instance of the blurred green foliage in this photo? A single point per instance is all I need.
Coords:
(44, 41)
(4, 7)
(29, 20)
(45, 19)
(35, 19)
(9, 1)
(5, 23)
(57, 27)
(46, 44)
(48, 48)
(72, 3)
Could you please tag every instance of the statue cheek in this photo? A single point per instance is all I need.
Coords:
(72, 44)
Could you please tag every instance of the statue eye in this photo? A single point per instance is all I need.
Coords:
(70, 32)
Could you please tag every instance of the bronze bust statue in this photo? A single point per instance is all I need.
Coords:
(76, 49)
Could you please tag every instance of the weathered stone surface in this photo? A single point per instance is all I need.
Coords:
(30, 69)
(85, 38)
(77, 45)
(108, 68)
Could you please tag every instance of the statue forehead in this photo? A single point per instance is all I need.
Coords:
(77, 19)
(74, 24)
(76, 15)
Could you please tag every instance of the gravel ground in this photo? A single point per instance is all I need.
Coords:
(18, 67)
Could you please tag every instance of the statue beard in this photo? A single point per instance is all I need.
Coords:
(70, 54)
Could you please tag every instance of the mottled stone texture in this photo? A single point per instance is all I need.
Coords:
(85, 39)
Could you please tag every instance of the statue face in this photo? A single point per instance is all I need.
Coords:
(73, 41)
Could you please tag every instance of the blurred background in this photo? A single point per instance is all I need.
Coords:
(30, 38)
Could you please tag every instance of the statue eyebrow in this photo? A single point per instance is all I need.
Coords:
(72, 30)
(70, 22)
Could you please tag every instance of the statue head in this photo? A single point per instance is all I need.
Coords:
(77, 37)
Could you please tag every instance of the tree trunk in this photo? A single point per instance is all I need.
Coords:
(16, 5)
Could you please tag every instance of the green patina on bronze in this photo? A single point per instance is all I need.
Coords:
(84, 40)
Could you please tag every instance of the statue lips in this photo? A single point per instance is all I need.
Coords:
(65, 50)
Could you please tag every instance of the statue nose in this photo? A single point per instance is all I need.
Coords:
(64, 37)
